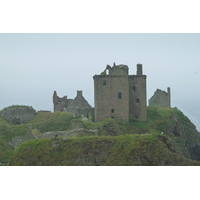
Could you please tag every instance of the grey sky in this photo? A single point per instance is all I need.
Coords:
(34, 65)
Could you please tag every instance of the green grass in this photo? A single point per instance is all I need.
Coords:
(159, 120)
(121, 150)
(42, 121)
(46, 121)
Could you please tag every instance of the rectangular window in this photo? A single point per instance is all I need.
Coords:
(104, 82)
(112, 110)
(137, 100)
(119, 95)
(133, 88)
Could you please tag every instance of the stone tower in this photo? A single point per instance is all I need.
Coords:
(119, 95)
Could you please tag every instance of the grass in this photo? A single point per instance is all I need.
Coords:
(15, 106)
(121, 150)
(141, 133)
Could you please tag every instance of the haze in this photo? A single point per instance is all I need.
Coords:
(34, 65)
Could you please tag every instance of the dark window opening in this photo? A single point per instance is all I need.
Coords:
(119, 95)
(136, 116)
(112, 117)
(134, 88)
(104, 82)
(137, 100)
(112, 110)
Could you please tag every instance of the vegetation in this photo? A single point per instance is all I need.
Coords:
(15, 106)
(121, 150)
(167, 133)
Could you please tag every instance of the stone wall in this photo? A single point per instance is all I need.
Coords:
(60, 103)
(35, 134)
(161, 98)
(119, 95)
(111, 97)
(18, 115)
(16, 141)
(137, 92)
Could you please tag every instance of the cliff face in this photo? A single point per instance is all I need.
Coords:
(167, 138)
(129, 150)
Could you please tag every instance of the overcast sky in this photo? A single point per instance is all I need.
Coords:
(34, 65)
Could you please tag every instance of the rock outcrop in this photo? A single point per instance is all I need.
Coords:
(18, 114)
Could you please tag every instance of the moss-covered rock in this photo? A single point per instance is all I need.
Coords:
(124, 150)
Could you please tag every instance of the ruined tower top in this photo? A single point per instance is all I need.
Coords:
(139, 69)
(116, 70)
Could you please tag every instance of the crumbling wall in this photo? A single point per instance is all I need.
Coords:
(78, 106)
(16, 141)
(35, 134)
(18, 115)
(161, 98)
(60, 103)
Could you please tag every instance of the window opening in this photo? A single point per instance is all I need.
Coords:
(112, 110)
(137, 100)
(104, 82)
(119, 95)
(133, 88)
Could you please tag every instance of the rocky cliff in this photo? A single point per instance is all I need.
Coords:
(167, 138)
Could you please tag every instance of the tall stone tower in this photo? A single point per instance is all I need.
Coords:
(137, 99)
(118, 95)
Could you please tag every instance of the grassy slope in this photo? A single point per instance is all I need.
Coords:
(136, 148)
(43, 121)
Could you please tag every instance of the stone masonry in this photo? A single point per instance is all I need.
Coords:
(18, 115)
(78, 106)
(119, 95)
(161, 98)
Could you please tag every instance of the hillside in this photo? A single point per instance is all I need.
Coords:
(44, 121)
(137, 150)
(166, 138)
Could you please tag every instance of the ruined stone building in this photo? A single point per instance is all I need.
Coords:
(161, 98)
(119, 95)
(78, 106)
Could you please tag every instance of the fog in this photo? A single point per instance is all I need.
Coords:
(34, 65)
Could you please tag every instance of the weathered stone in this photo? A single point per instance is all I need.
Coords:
(119, 95)
(18, 115)
(161, 98)
(78, 106)
(16, 141)
(60, 104)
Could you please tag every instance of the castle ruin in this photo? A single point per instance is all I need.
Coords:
(161, 98)
(119, 95)
(78, 106)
